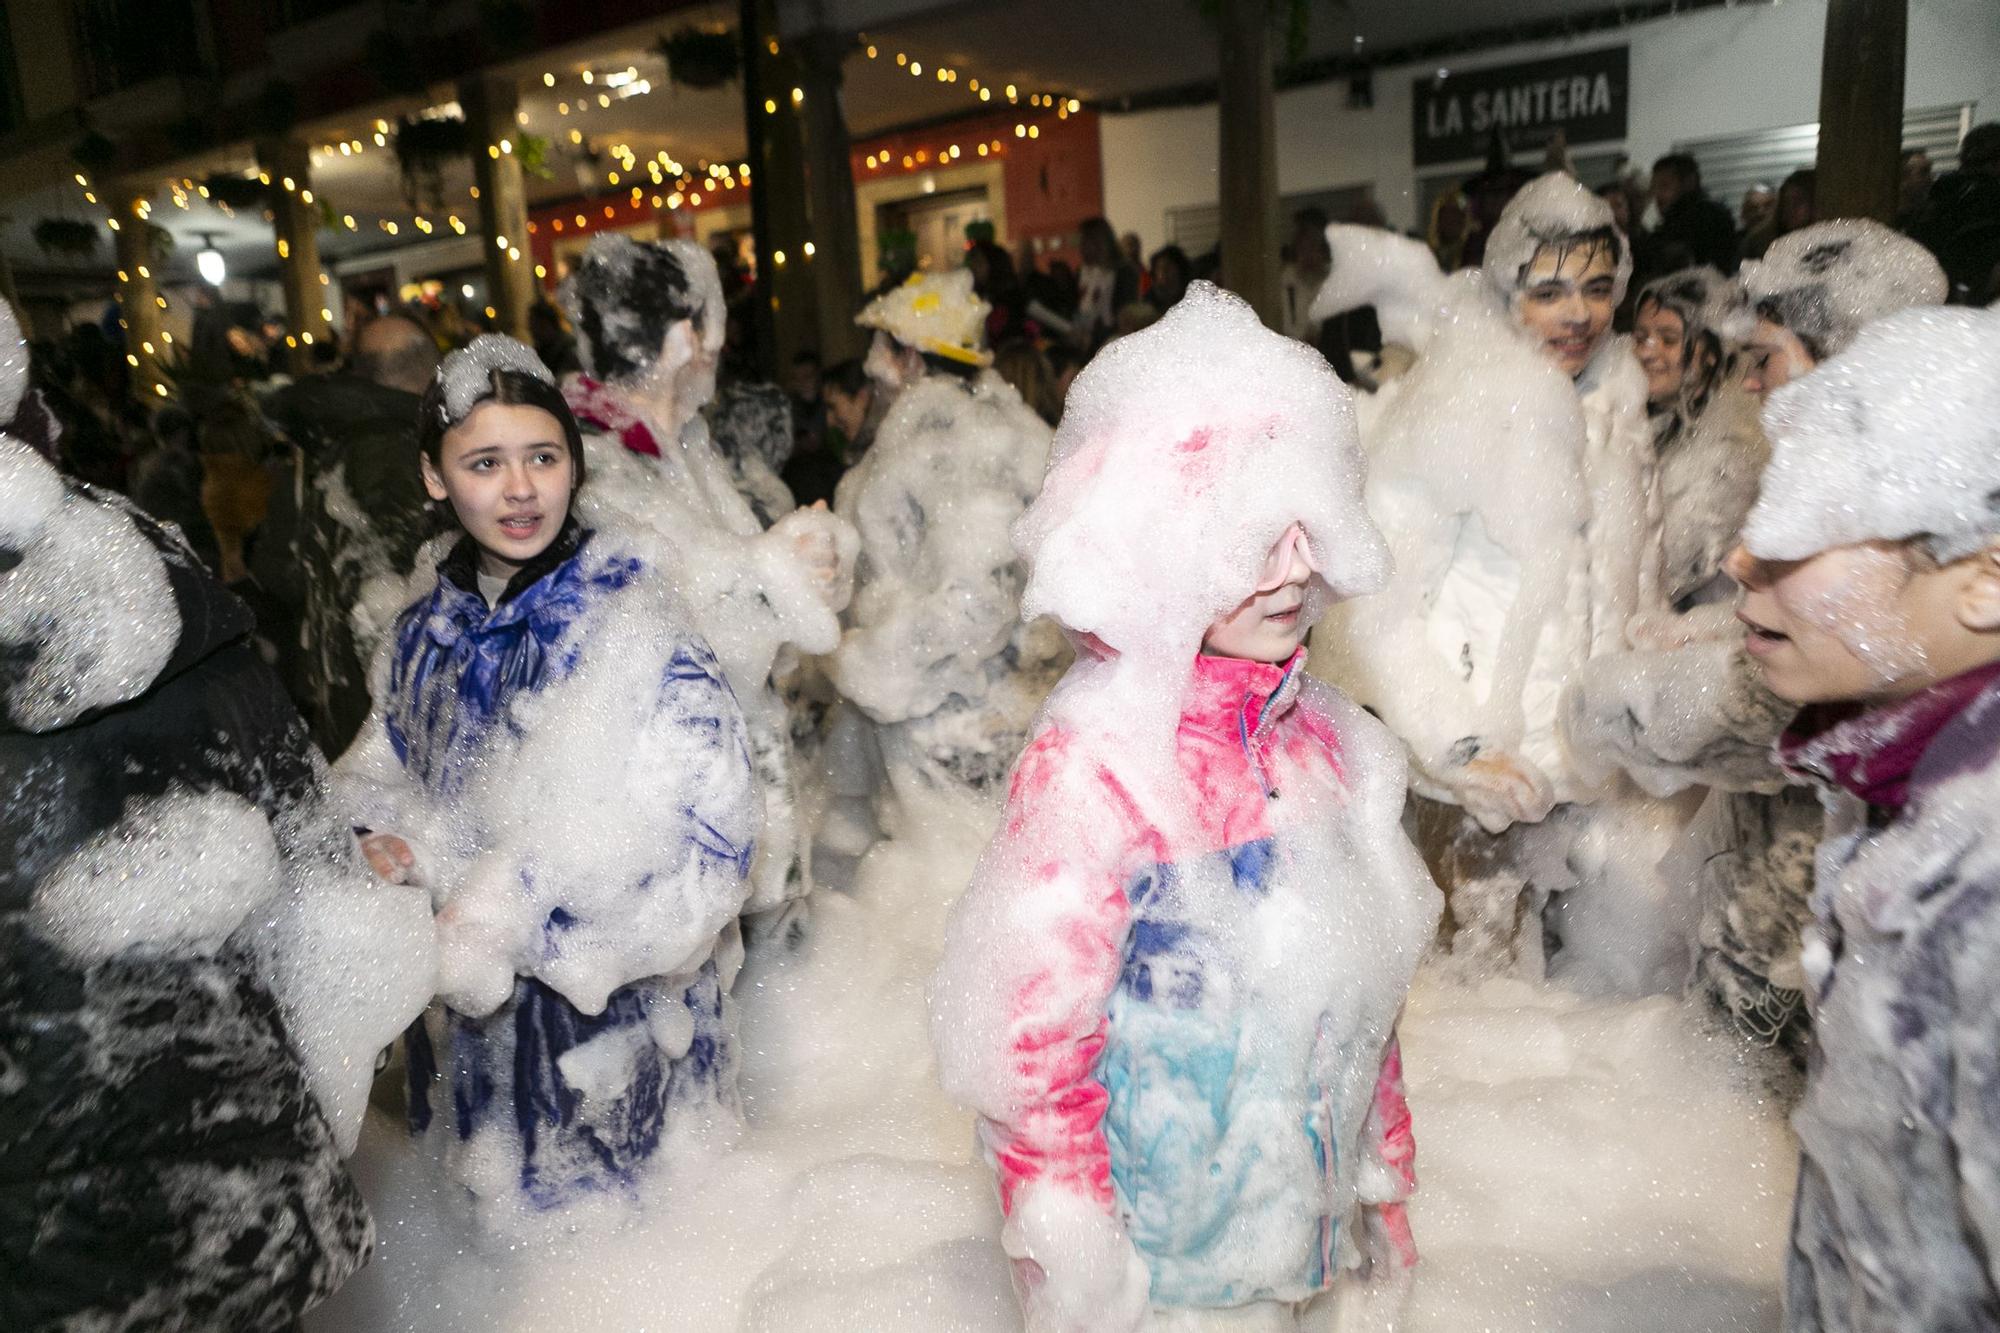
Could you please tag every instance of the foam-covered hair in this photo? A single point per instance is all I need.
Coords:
(1550, 210)
(1826, 281)
(1185, 451)
(1897, 437)
(625, 295)
(1711, 309)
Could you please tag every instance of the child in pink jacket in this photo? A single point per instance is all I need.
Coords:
(1170, 993)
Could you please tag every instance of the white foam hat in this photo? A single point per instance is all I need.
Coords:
(1550, 210)
(1895, 438)
(1185, 451)
(938, 313)
(1828, 280)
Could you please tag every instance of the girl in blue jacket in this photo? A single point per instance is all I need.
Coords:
(555, 755)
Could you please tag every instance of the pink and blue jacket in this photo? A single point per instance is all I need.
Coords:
(1190, 1019)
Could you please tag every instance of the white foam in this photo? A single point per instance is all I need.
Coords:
(90, 600)
(1898, 436)
(467, 374)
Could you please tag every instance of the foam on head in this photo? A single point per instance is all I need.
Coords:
(1898, 436)
(466, 375)
(1824, 282)
(625, 296)
(1553, 209)
(1184, 452)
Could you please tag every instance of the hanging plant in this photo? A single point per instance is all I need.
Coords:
(237, 191)
(533, 151)
(702, 57)
(424, 147)
(66, 236)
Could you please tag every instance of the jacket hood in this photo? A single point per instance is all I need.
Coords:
(1184, 452)
(99, 604)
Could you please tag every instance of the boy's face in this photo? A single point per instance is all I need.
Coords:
(1566, 300)
(1869, 622)
(1269, 625)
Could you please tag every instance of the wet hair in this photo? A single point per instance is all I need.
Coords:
(1565, 244)
(510, 388)
(623, 300)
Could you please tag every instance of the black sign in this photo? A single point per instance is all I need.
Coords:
(1584, 95)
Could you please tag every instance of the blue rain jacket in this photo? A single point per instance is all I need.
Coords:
(591, 1122)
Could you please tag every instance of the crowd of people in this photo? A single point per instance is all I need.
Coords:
(447, 726)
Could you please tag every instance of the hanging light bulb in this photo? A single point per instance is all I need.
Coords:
(210, 261)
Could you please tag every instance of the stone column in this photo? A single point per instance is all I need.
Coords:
(295, 220)
(1248, 172)
(138, 290)
(1861, 109)
(490, 105)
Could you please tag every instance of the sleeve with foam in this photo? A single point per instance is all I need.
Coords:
(1376, 267)
(1032, 955)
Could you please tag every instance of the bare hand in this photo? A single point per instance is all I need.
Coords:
(1499, 788)
(389, 857)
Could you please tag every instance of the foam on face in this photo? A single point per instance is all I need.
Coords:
(1184, 452)
(89, 606)
(1896, 437)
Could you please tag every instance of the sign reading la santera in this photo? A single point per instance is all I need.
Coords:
(1585, 95)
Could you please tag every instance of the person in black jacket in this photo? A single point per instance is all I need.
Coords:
(172, 1112)
(1694, 229)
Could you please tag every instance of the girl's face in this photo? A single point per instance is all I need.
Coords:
(1871, 621)
(1660, 339)
(1776, 357)
(1566, 301)
(1270, 624)
(507, 473)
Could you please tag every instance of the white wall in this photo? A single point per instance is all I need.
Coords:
(1718, 71)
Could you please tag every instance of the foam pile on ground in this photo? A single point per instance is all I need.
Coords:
(1582, 1166)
